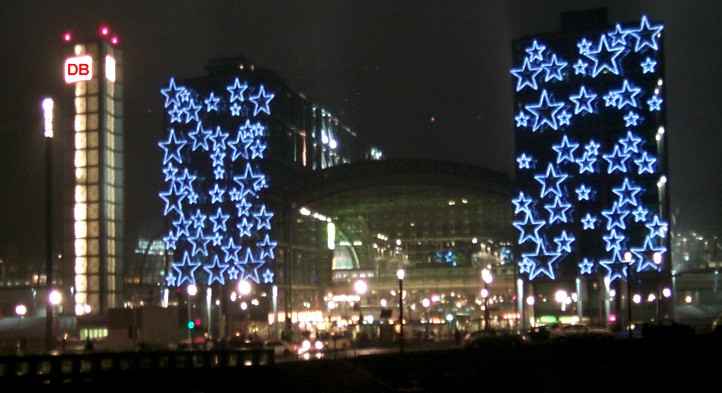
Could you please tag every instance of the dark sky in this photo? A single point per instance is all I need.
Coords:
(386, 67)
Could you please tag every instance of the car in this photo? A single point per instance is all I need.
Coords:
(492, 339)
(336, 341)
(310, 349)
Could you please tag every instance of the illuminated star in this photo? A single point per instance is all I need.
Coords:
(170, 279)
(258, 129)
(217, 158)
(216, 239)
(192, 111)
(246, 130)
(583, 192)
(627, 193)
(216, 194)
(617, 160)
(169, 172)
(615, 217)
(237, 89)
(212, 103)
(657, 228)
(199, 219)
(584, 46)
(235, 195)
(263, 218)
(172, 148)
(580, 67)
(239, 147)
(185, 181)
(249, 181)
(235, 109)
(618, 36)
(257, 149)
(525, 266)
(554, 69)
(231, 251)
(172, 93)
(646, 35)
(588, 222)
(218, 173)
(523, 161)
(526, 75)
(604, 57)
(645, 164)
(557, 210)
(521, 119)
(185, 270)
(200, 137)
(173, 199)
(654, 103)
(268, 277)
(610, 99)
(627, 95)
(543, 261)
(631, 119)
(264, 99)
(640, 214)
(176, 114)
(250, 266)
(219, 139)
(545, 112)
(586, 163)
(243, 208)
(266, 248)
(192, 198)
(219, 220)
(564, 242)
(521, 203)
(648, 66)
(616, 268)
(585, 266)
(182, 226)
(170, 240)
(529, 229)
(564, 118)
(565, 150)
(535, 51)
(550, 181)
(613, 241)
(583, 101)
(244, 227)
(646, 255)
(216, 271)
(592, 148)
(184, 96)
(199, 243)
(233, 272)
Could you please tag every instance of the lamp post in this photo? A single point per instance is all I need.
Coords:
(486, 278)
(54, 299)
(48, 106)
(426, 303)
(245, 289)
(628, 259)
(400, 275)
(360, 287)
(191, 290)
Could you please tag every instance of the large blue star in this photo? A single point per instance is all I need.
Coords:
(529, 229)
(627, 95)
(521, 203)
(182, 226)
(199, 243)
(231, 251)
(185, 270)
(550, 181)
(583, 101)
(565, 150)
(616, 268)
(173, 199)
(657, 228)
(192, 111)
(219, 139)
(199, 219)
(564, 242)
(266, 248)
(646, 35)
(630, 142)
(237, 89)
(172, 93)
(554, 69)
(545, 112)
(618, 36)
(557, 210)
(200, 137)
(526, 75)
(250, 266)
(543, 261)
(219, 220)
(243, 208)
(172, 148)
(216, 271)
(627, 193)
(217, 194)
(615, 217)
(185, 181)
(617, 160)
(613, 241)
(586, 163)
(604, 57)
(647, 254)
(250, 182)
(261, 101)
(263, 218)
(645, 163)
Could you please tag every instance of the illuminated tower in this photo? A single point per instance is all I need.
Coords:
(94, 69)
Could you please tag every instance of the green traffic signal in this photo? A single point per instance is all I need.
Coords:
(191, 325)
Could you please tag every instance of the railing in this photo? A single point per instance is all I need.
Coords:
(70, 368)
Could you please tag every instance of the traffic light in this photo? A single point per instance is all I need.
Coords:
(191, 325)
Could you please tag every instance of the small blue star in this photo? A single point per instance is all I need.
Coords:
(176, 114)
(627, 193)
(251, 266)
(182, 226)
(657, 228)
(586, 266)
(172, 93)
(268, 277)
(584, 46)
(264, 99)
(243, 208)
(564, 242)
(521, 119)
(586, 163)
(631, 119)
(551, 187)
(616, 268)
(521, 204)
(615, 217)
(185, 270)
(217, 157)
(235, 195)
(526, 75)
(583, 192)
(525, 266)
(173, 199)
(170, 240)
(645, 163)
(648, 66)
(235, 109)
(588, 222)
(199, 243)
(192, 111)
(617, 160)
(219, 173)
(219, 139)
(583, 101)
(655, 103)
(217, 194)
(212, 103)
(604, 57)
(535, 51)
(565, 150)
(231, 251)
(618, 36)
(613, 241)
(640, 214)
(233, 272)
(185, 181)
(169, 171)
(263, 218)
(216, 271)
(192, 198)
(557, 210)
(200, 137)
(237, 89)
(170, 279)
(554, 69)
(257, 149)
(545, 112)
(172, 147)
(580, 67)
(244, 228)
(199, 219)
(219, 221)
(216, 239)
(627, 95)
(610, 99)
(524, 161)
(266, 248)
(564, 118)
(592, 148)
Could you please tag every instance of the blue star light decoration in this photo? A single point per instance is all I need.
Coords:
(603, 93)
(214, 183)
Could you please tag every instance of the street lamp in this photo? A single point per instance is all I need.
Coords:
(48, 107)
(400, 275)
(360, 287)
(244, 287)
(191, 290)
(21, 310)
(486, 278)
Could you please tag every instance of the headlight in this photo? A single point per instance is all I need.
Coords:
(306, 344)
(318, 345)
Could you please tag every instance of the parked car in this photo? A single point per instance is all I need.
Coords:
(492, 339)
(336, 341)
(310, 349)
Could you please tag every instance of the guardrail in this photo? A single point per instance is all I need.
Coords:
(71, 368)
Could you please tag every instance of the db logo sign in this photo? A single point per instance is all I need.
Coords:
(78, 69)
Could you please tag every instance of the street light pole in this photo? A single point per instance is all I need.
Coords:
(191, 290)
(401, 274)
(486, 279)
(48, 109)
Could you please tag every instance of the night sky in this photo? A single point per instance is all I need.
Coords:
(420, 79)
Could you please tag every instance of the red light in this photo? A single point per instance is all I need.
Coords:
(114, 40)
(104, 30)
(67, 37)
(198, 322)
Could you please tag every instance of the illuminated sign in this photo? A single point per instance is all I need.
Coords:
(48, 105)
(110, 68)
(77, 69)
